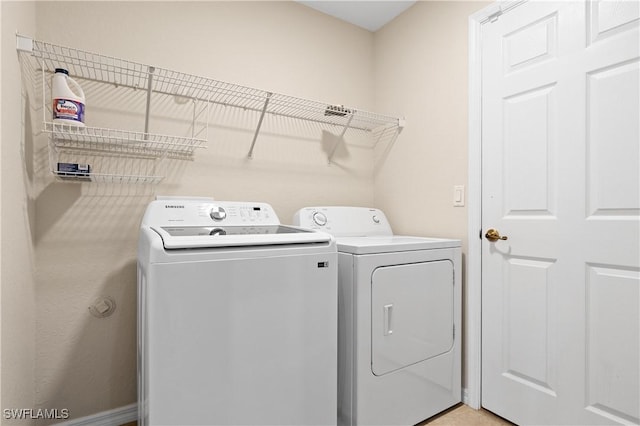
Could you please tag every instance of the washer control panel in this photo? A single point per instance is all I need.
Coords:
(218, 213)
(344, 221)
(203, 212)
(234, 214)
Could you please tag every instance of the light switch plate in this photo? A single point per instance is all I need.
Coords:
(458, 196)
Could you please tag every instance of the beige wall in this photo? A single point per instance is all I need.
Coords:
(421, 70)
(17, 362)
(87, 234)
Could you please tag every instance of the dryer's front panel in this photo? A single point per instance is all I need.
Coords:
(411, 314)
(406, 304)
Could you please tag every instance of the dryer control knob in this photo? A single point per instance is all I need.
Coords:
(319, 219)
(376, 219)
(218, 213)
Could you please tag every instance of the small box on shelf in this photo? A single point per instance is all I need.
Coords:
(74, 171)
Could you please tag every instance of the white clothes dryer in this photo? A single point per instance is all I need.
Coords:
(237, 317)
(399, 316)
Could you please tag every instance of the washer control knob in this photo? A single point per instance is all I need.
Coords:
(376, 219)
(319, 219)
(218, 231)
(218, 213)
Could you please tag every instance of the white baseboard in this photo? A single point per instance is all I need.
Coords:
(470, 400)
(465, 396)
(115, 417)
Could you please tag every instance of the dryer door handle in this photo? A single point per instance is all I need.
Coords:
(387, 318)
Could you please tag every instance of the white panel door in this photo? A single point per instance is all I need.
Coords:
(560, 147)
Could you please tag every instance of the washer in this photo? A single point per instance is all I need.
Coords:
(399, 313)
(237, 317)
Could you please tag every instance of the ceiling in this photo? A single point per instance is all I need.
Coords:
(370, 15)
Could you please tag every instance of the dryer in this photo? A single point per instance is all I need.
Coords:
(236, 317)
(399, 316)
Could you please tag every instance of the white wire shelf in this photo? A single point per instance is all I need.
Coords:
(122, 141)
(106, 178)
(124, 73)
(121, 72)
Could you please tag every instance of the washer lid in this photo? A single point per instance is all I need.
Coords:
(183, 237)
(395, 243)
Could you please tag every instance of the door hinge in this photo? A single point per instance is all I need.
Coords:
(502, 7)
(454, 332)
(494, 16)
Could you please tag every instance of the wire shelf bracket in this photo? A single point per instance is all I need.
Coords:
(255, 135)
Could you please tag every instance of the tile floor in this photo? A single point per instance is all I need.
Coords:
(460, 415)
(463, 415)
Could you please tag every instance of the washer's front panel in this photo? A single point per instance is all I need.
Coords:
(242, 341)
(411, 314)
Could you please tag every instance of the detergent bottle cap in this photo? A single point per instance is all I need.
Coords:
(62, 70)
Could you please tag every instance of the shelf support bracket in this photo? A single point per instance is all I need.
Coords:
(24, 44)
(148, 109)
(262, 113)
(340, 138)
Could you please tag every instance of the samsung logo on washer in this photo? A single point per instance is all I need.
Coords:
(170, 206)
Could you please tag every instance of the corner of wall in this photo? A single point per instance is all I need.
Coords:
(17, 295)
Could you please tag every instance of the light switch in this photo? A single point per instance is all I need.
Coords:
(458, 196)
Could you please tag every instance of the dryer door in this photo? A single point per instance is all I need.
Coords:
(411, 314)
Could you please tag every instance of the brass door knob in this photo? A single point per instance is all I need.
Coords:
(493, 235)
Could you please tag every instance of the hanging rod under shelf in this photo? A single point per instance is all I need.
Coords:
(121, 72)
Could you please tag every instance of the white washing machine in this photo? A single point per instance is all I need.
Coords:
(399, 316)
(237, 317)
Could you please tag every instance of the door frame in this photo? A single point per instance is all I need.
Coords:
(472, 393)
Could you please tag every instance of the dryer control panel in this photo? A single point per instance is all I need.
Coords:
(344, 221)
